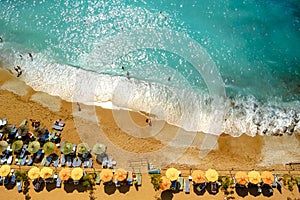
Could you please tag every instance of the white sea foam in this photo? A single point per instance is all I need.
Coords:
(188, 109)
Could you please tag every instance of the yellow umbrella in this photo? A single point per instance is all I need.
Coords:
(46, 172)
(267, 177)
(198, 176)
(34, 173)
(164, 183)
(76, 173)
(254, 177)
(4, 170)
(241, 178)
(211, 175)
(120, 174)
(172, 174)
(106, 175)
(65, 174)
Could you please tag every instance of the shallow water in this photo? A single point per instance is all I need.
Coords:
(234, 66)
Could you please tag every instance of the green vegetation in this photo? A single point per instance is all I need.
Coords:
(155, 180)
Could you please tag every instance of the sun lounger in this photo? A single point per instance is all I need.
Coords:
(69, 161)
(74, 149)
(90, 164)
(213, 187)
(13, 179)
(58, 128)
(79, 162)
(5, 180)
(74, 162)
(43, 161)
(58, 182)
(30, 161)
(118, 184)
(63, 160)
(9, 160)
(1, 180)
(181, 183)
(56, 162)
(86, 162)
(4, 121)
(48, 160)
(23, 161)
(19, 186)
(173, 185)
(187, 186)
(104, 162)
(139, 179)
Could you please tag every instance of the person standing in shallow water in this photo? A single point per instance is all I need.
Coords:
(18, 70)
(30, 55)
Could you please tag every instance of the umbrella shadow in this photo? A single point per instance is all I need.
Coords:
(110, 188)
(198, 191)
(167, 195)
(69, 187)
(267, 190)
(124, 188)
(80, 188)
(50, 186)
(9, 186)
(241, 191)
(253, 190)
(279, 188)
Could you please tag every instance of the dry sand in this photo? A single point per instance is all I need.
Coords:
(130, 140)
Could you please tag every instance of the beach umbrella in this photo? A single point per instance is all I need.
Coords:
(46, 172)
(3, 145)
(211, 175)
(33, 147)
(82, 148)
(65, 174)
(120, 175)
(76, 173)
(267, 177)
(172, 174)
(99, 148)
(198, 176)
(254, 177)
(34, 173)
(106, 175)
(4, 170)
(164, 183)
(241, 178)
(48, 147)
(17, 145)
(66, 148)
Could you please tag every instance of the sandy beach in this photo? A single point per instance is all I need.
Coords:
(129, 140)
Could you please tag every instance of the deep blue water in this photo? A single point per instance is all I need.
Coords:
(241, 51)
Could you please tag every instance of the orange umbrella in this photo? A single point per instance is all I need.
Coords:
(46, 172)
(65, 174)
(198, 176)
(164, 183)
(211, 175)
(241, 178)
(120, 174)
(267, 177)
(172, 174)
(106, 175)
(34, 173)
(254, 177)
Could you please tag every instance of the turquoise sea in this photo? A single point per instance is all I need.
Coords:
(214, 66)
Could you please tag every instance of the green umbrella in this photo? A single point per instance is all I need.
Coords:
(66, 148)
(17, 145)
(48, 147)
(3, 145)
(82, 148)
(99, 148)
(33, 147)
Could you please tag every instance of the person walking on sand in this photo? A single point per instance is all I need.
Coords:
(30, 55)
(18, 70)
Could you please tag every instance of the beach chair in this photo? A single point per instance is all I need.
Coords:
(104, 162)
(1, 180)
(69, 161)
(30, 161)
(56, 162)
(138, 179)
(23, 161)
(187, 186)
(19, 186)
(79, 162)
(5, 180)
(48, 160)
(274, 184)
(63, 160)
(173, 185)
(90, 164)
(9, 159)
(13, 179)
(58, 182)
(213, 187)
(86, 162)
(4, 121)
(181, 183)
(111, 163)
(43, 161)
(57, 128)
(74, 162)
